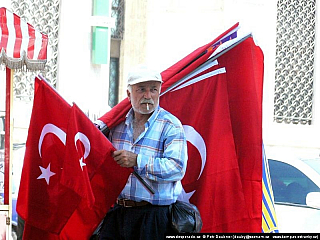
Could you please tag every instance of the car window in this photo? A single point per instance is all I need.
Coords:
(313, 163)
(289, 184)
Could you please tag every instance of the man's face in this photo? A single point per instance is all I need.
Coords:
(144, 97)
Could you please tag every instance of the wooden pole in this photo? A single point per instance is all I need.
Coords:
(7, 139)
(8, 126)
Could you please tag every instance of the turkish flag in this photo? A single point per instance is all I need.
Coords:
(92, 173)
(224, 132)
(86, 150)
(42, 199)
(245, 69)
(69, 179)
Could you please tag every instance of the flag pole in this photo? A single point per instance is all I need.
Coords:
(144, 183)
(209, 60)
(8, 127)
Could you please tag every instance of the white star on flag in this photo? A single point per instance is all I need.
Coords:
(82, 163)
(184, 196)
(46, 173)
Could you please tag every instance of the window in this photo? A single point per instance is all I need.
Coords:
(118, 13)
(294, 65)
(113, 82)
(289, 184)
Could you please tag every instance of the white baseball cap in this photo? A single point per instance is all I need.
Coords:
(142, 73)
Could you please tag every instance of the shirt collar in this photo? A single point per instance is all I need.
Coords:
(129, 116)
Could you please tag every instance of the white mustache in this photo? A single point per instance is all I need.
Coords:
(149, 101)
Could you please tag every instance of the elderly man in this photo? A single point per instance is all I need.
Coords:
(152, 141)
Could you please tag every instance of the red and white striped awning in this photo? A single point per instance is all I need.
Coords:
(20, 44)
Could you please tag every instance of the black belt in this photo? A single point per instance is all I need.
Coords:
(131, 203)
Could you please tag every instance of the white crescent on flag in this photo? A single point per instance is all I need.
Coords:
(86, 143)
(198, 142)
(49, 128)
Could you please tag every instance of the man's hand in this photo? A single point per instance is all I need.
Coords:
(125, 158)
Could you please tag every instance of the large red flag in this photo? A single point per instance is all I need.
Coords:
(224, 132)
(245, 66)
(69, 179)
(41, 199)
(92, 163)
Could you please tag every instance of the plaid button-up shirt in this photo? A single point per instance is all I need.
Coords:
(162, 157)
